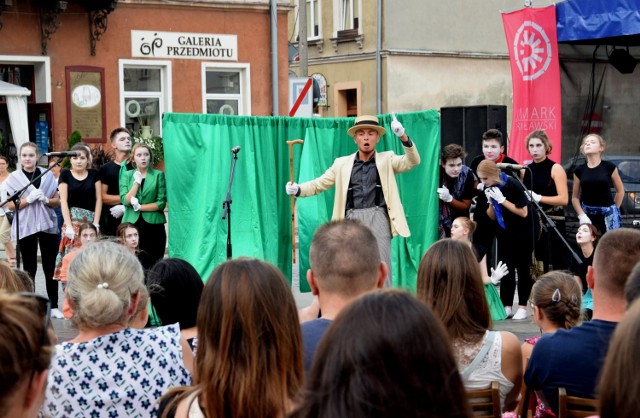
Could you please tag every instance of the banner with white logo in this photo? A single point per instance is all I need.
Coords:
(535, 73)
(202, 46)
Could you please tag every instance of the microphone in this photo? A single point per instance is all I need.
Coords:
(63, 154)
(235, 150)
(507, 166)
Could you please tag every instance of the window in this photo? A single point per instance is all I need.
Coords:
(313, 19)
(145, 95)
(347, 17)
(226, 89)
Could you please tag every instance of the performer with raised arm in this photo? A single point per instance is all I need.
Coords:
(366, 188)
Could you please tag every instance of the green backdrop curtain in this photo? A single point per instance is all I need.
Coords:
(198, 159)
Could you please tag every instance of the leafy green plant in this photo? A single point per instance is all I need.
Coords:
(100, 157)
(73, 139)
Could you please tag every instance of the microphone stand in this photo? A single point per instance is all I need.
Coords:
(548, 224)
(226, 205)
(15, 198)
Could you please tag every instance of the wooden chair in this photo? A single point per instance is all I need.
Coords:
(574, 406)
(485, 403)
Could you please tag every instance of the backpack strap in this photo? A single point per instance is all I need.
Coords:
(488, 342)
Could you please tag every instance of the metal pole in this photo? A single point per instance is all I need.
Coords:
(378, 58)
(274, 56)
(302, 38)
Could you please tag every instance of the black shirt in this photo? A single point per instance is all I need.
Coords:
(365, 190)
(517, 227)
(80, 193)
(110, 175)
(580, 270)
(595, 183)
(539, 179)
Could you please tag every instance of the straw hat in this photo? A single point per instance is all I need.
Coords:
(366, 121)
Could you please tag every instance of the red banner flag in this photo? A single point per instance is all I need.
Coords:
(535, 72)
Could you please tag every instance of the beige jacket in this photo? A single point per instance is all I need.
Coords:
(388, 164)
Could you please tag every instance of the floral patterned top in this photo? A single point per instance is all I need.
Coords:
(116, 375)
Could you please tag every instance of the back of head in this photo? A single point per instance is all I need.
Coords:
(617, 253)
(249, 360)
(620, 378)
(103, 277)
(450, 282)
(25, 347)
(11, 282)
(25, 279)
(344, 258)
(386, 354)
(559, 296)
(175, 288)
(632, 288)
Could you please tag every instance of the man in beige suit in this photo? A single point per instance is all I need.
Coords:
(365, 183)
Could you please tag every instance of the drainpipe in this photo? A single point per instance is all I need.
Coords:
(378, 58)
(274, 56)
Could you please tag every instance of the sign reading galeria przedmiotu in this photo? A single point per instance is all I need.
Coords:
(155, 44)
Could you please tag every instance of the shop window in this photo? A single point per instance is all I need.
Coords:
(226, 89)
(145, 93)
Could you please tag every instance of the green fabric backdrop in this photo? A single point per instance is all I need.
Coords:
(197, 164)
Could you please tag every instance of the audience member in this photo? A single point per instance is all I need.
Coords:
(25, 279)
(591, 195)
(110, 369)
(573, 358)
(143, 192)
(80, 200)
(175, 288)
(10, 282)
(38, 225)
(620, 380)
(458, 187)
(632, 288)
(141, 315)
(249, 358)
(385, 355)
(340, 272)
(515, 226)
(555, 299)
(587, 238)
(449, 281)
(112, 207)
(462, 230)
(25, 353)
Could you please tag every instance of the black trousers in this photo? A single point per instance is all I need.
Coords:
(516, 254)
(153, 240)
(48, 253)
(550, 245)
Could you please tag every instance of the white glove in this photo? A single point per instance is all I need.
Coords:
(480, 186)
(396, 126)
(499, 272)
(137, 177)
(69, 232)
(117, 211)
(583, 219)
(443, 194)
(35, 195)
(135, 204)
(97, 227)
(533, 195)
(495, 194)
(44, 199)
(292, 188)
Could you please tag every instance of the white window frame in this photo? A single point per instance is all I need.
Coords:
(42, 73)
(244, 98)
(312, 20)
(338, 15)
(164, 96)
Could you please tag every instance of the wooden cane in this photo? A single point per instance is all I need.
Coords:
(293, 198)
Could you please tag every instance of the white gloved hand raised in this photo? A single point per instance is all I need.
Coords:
(444, 195)
(495, 194)
(480, 186)
(533, 195)
(396, 126)
(292, 188)
(35, 195)
(135, 204)
(117, 211)
(137, 177)
(583, 219)
(69, 232)
(499, 272)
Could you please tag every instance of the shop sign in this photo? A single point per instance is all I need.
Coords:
(182, 45)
